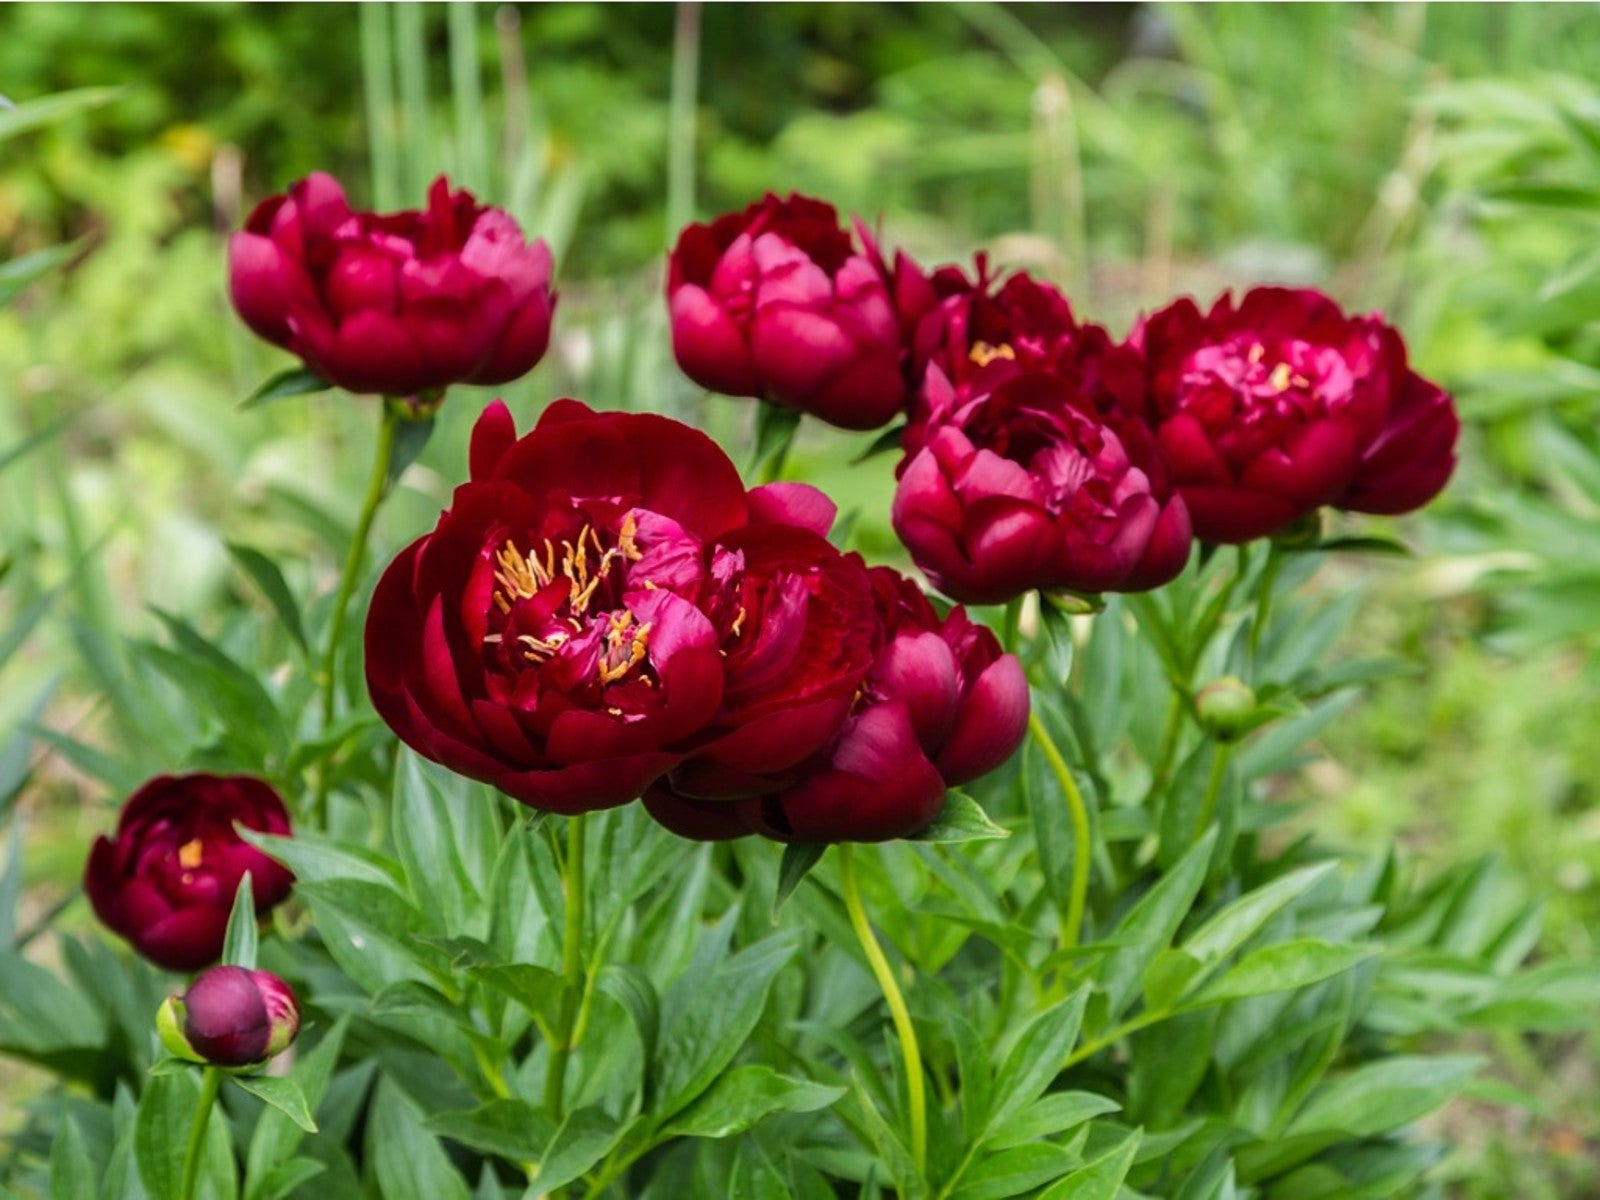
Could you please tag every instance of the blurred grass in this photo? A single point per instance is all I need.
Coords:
(1128, 151)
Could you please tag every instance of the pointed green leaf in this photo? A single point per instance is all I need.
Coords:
(1037, 1056)
(264, 573)
(1281, 968)
(243, 938)
(294, 381)
(798, 859)
(283, 1094)
(583, 1139)
(743, 1096)
(962, 819)
(1100, 1179)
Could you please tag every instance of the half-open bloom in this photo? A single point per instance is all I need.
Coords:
(231, 1017)
(166, 879)
(401, 303)
(778, 302)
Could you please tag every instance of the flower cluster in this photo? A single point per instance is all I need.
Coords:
(1039, 451)
(606, 609)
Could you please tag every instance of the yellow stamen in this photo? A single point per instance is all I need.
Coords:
(982, 353)
(191, 854)
(738, 623)
(1279, 379)
(1257, 352)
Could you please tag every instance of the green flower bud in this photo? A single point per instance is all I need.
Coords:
(1226, 708)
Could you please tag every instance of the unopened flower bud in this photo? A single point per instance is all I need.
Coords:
(230, 1017)
(1225, 708)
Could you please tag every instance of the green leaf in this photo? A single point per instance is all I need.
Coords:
(798, 859)
(428, 833)
(510, 1129)
(890, 439)
(266, 576)
(902, 1167)
(537, 989)
(1049, 1116)
(243, 937)
(1037, 1056)
(962, 819)
(1167, 977)
(1231, 927)
(632, 990)
(1013, 1171)
(294, 381)
(1150, 925)
(1384, 1095)
(583, 1139)
(277, 1135)
(775, 429)
(73, 1174)
(161, 1131)
(743, 1096)
(723, 1007)
(20, 273)
(283, 1094)
(406, 1160)
(1281, 968)
(47, 110)
(1100, 1179)
(409, 439)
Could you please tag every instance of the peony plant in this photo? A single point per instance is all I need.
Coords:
(1033, 926)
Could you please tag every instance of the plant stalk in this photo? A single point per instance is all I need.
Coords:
(572, 884)
(1078, 895)
(916, 1100)
(377, 489)
(210, 1085)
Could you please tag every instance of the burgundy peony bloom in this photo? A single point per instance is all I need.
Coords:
(603, 598)
(401, 304)
(1271, 407)
(1013, 482)
(940, 706)
(779, 303)
(1413, 456)
(167, 880)
(231, 1017)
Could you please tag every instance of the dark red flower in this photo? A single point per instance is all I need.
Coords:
(231, 1017)
(167, 880)
(1413, 456)
(940, 706)
(403, 303)
(779, 303)
(1014, 482)
(603, 598)
(1266, 409)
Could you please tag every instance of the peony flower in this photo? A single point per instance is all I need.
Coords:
(1270, 407)
(779, 303)
(604, 598)
(940, 706)
(402, 304)
(1013, 482)
(167, 880)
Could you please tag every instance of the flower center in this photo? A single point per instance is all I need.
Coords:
(561, 595)
(191, 854)
(982, 353)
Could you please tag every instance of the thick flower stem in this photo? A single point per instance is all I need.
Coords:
(210, 1084)
(1269, 579)
(572, 883)
(1011, 631)
(1078, 894)
(377, 489)
(916, 1100)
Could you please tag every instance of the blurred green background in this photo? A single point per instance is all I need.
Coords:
(1440, 163)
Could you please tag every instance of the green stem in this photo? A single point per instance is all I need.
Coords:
(1169, 746)
(1132, 1025)
(916, 1106)
(1078, 896)
(1269, 577)
(210, 1084)
(1219, 771)
(572, 883)
(1011, 631)
(377, 489)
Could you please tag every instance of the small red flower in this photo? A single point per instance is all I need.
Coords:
(166, 881)
(779, 303)
(400, 304)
